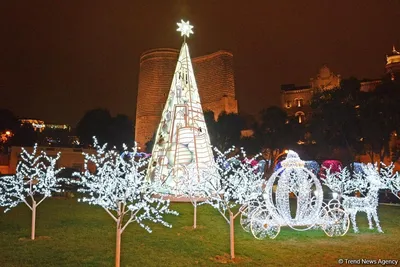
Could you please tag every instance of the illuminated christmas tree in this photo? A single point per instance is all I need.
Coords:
(182, 137)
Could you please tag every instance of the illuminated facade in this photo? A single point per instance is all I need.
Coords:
(393, 64)
(182, 138)
(296, 99)
(52, 134)
(214, 76)
(38, 125)
(392, 70)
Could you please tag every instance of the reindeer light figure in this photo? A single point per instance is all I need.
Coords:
(368, 183)
(368, 203)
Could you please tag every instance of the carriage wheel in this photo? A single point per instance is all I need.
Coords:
(246, 215)
(245, 218)
(262, 225)
(337, 222)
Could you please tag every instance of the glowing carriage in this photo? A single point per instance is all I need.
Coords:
(266, 215)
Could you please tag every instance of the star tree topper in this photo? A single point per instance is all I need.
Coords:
(185, 28)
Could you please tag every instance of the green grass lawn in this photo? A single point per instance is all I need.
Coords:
(76, 234)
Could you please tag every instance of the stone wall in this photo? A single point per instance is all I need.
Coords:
(289, 102)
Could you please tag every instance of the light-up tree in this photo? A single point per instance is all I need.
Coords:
(341, 182)
(34, 181)
(391, 178)
(189, 186)
(231, 185)
(119, 186)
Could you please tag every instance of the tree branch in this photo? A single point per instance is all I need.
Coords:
(41, 201)
(234, 216)
(29, 206)
(223, 215)
(126, 224)
(131, 219)
(112, 215)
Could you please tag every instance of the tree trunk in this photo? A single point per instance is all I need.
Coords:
(195, 215)
(371, 155)
(118, 244)
(33, 219)
(232, 234)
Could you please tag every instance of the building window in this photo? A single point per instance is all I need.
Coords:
(288, 104)
(299, 102)
(300, 116)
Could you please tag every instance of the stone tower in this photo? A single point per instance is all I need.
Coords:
(155, 77)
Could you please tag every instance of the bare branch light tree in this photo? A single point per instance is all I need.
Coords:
(34, 181)
(118, 184)
(190, 187)
(231, 185)
(391, 178)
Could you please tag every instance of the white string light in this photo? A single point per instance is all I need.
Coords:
(275, 210)
(35, 178)
(118, 184)
(367, 183)
(189, 185)
(231, 182)
(391, 179)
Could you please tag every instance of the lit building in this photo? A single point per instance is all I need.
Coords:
(58, 126)
(392, 70)
(56, 135)
(296, 99)
(369, 85)
(38, 125)
(215, 79)
(393, 64)
(52, 134)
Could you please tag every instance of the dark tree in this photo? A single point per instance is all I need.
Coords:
(121, 131)
(95, 122)
(226, 131)
(346, 119)
(251, 145)
(209, 118)
(150, 144)
(273, 132)
(25, 136)
(112, 130)
(8, 123)
(379, 116)
(229, 127)
(335, 123)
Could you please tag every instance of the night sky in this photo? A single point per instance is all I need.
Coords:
(61, 58)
